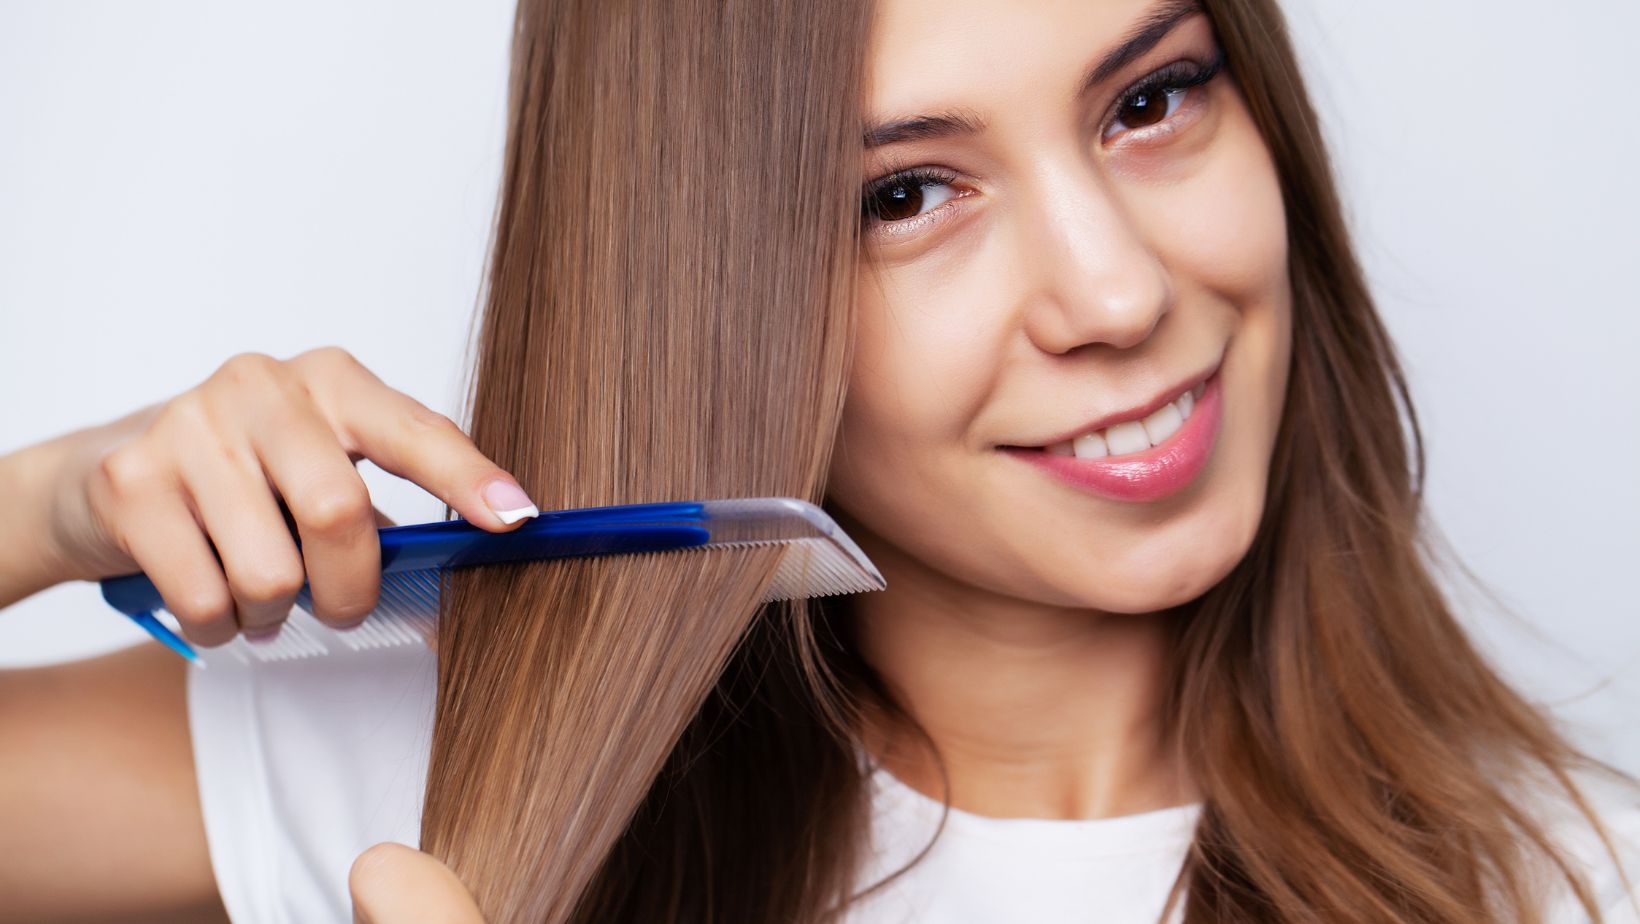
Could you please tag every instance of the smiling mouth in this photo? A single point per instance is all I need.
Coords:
(1129, 437)
(1132, 436)
(1140, 459)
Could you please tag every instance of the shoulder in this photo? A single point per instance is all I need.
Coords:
(304, 764)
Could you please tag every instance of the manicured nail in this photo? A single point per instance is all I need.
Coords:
(509, 501)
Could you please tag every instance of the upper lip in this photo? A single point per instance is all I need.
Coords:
(1137, 412)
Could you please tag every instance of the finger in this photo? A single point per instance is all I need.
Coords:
(394, 884)
(259, 556)
(168, 543)
(410, 440)
(329, 502)
(382, 519)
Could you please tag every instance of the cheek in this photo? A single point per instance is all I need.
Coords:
(1222, 231)
(920, 374)
(887, 396)
(1224, 228)
(921, 369)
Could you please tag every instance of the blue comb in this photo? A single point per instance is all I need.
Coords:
(820, 560)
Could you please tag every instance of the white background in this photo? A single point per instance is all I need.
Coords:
(180, 181)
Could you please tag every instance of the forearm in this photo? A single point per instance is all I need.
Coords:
(99, 794)
(30, 556)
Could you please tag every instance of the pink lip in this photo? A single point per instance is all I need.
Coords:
(1158, 472)
(1133, 413)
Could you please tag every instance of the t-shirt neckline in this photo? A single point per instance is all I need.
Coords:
(1167, 829)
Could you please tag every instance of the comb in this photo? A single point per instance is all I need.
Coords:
(820, 560)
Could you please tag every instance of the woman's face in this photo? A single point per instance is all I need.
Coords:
(1061, 262)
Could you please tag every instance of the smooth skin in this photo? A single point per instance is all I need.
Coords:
(98, 783)
(1083, 257)
(1086, 257)
(392, 883)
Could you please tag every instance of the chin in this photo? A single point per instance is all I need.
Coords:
(1159, 591)
(1174, 568)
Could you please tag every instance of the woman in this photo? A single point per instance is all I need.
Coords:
(1120, 428)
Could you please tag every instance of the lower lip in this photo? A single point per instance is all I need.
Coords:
(1158, 472)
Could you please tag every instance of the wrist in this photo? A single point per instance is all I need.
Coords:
(32, 554)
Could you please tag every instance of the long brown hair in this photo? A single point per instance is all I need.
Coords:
(635, 738)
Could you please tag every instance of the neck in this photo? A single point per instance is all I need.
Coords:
(1035, 711)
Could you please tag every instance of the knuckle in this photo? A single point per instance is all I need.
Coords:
(329, 358)
(425, 418)
(188, 408)
(128, 470)
(334, 511)
(202, 607)
(270, 584)
(250, 366)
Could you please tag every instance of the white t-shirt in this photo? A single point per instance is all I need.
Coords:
(304, 764)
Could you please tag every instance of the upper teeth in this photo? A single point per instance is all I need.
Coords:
(1134, 435)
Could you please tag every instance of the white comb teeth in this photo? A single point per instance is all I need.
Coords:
(815, 568)
(820, 560)
(407, 612)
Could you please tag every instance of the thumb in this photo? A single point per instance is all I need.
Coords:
(394, 884)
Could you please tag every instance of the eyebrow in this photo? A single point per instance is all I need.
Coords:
(1157, 22)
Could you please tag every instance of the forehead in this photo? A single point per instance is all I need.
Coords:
(935, 54)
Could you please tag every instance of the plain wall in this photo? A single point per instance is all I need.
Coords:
(181, 181)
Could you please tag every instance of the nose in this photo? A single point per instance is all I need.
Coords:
(1094, 277)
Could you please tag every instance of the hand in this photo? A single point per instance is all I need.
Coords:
(202, 491)
(394, 884)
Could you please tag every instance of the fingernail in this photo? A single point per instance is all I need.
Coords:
(509, 501)
(262, 635)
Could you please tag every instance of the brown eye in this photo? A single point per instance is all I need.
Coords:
(906, 194)
(896, 203)
(1143, 109)
(1154, 99)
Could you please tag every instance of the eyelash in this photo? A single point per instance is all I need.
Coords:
(1176, 77)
